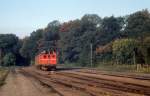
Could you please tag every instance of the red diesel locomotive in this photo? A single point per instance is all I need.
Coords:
(46, 60)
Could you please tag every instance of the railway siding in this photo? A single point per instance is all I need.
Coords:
(74, 82)
(128, 80)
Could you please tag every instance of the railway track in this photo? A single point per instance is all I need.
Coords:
(116, 74)
(72, 83)
(61, 88)
(112, 83)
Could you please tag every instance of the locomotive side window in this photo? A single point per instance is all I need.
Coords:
(53, 56)
(44, 56)
(48, 56)
(51, 52)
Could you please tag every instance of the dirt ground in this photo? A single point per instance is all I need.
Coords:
(78, 82)
(19, 85)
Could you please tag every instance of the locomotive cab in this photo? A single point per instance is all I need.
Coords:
(46, 60)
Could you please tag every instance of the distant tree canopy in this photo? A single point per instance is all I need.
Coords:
(110, 29)
(138, 24)
(8, 42)
(111, 37)
(9, 49)
(73, 38)
(30, 44)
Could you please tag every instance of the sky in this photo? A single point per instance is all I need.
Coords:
(21, 17)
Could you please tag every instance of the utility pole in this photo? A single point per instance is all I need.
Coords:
(0, 57)
(134, 57)
(91, 54)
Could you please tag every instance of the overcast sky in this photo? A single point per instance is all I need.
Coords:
(21, 17)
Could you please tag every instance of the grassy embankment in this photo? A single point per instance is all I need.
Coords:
(3, 75)
(117, 67)
(124, 68)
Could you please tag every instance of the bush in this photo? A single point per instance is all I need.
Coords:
(9, 59)
(123, 50)
(146, 50)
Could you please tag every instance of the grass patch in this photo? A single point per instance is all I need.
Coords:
(124, 68)
(115, 67)
(109, 66)
(3, 75)
(71, 65)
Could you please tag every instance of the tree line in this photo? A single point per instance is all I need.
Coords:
(116, 39)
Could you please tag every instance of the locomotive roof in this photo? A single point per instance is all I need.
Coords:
(45, 51)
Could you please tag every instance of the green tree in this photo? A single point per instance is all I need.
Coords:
(138, 24)
(109, 30)
(41, 39)
(30, 44)
(9, 59)
(51, 31)
(146, 49)
(8, 43)
(75, 41)
(123, 50)
(69, 33)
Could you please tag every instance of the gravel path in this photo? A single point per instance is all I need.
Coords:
(20, 85)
